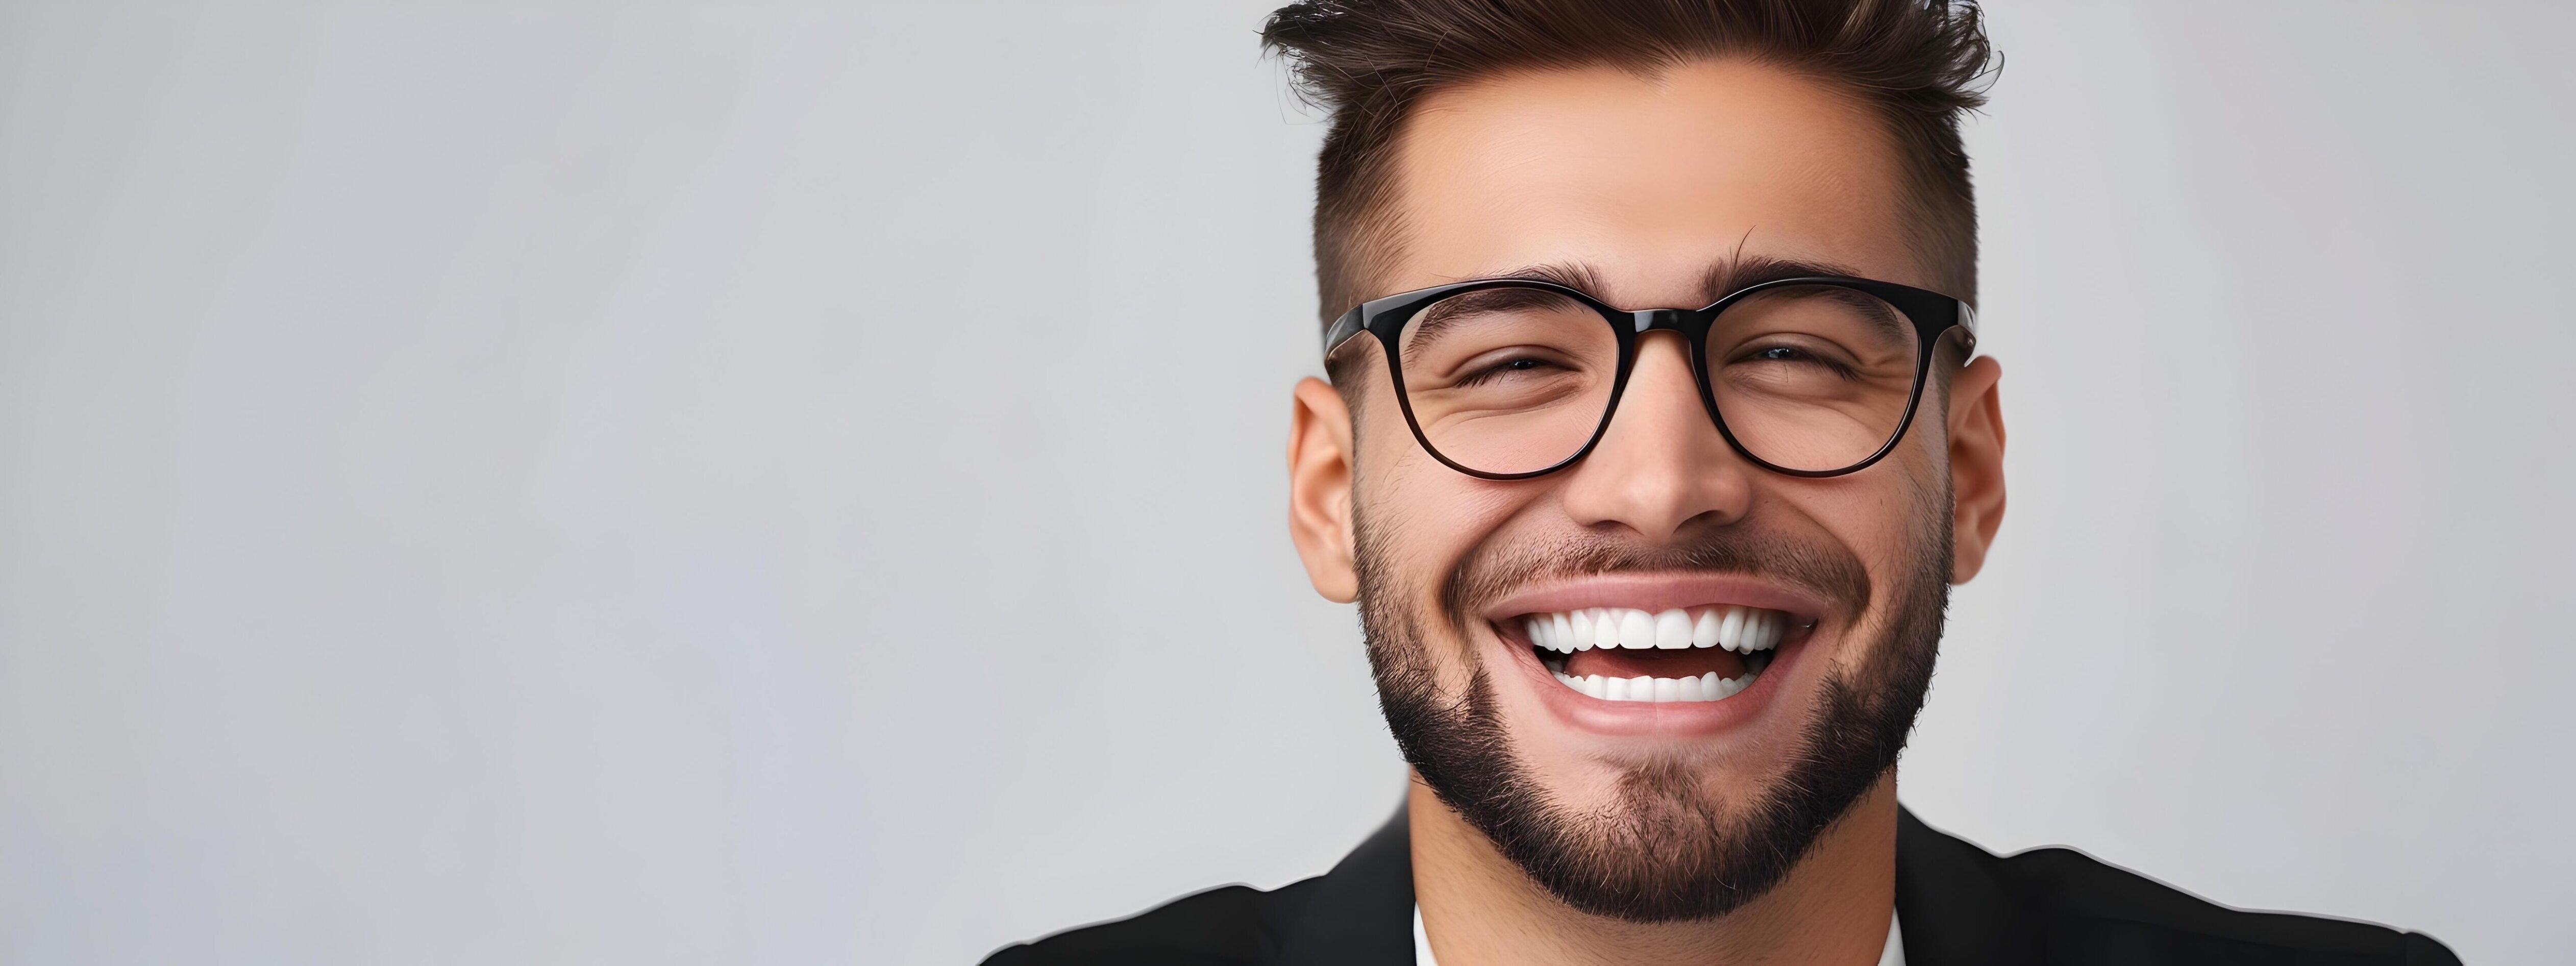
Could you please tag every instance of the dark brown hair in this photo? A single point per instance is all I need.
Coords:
(1917, 63)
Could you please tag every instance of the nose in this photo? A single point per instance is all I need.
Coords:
(1662, 468)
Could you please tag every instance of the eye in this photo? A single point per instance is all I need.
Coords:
(1503, 368)
(1803, 358)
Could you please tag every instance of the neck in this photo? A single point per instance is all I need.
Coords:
(1831, 910)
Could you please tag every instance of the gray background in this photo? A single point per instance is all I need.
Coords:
(601, 482)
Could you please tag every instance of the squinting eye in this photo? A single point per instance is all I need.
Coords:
(1504, 368)
(1522, 364)
(1806, 359)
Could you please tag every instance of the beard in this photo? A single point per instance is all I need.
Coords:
(1665, 850)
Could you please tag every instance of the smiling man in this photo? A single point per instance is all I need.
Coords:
(1654, 441)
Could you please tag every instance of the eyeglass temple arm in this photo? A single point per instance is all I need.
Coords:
(1342, 328)
(1966, 320)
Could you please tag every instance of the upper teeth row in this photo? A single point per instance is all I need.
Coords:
(1745, 629)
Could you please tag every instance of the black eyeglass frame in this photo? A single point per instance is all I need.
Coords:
(1932, 314)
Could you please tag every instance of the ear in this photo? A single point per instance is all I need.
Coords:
(1976, 466)
(1319, 489)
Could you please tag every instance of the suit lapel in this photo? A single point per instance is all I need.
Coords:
(1362, 911)
(1955, 911)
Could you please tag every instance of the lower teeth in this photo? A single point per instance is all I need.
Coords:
(1706, 687)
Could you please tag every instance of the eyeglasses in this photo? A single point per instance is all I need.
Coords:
(1507, 379)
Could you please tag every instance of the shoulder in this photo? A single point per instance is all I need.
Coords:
(1227, 925)
(2084, 910)
(2094, 910)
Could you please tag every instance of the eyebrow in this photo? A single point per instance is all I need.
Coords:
(1741, 272)
(1456, 308)
(1745, 271)
(1579, 276)
(1724, 277)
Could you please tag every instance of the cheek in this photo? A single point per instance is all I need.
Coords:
(1424, 517)
(1891, 516)
(1882, 514)
(1927, 471)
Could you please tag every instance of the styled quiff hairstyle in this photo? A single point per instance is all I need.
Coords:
(1917, 63)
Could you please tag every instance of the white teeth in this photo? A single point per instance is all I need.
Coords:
(1706, 687)
(1636, 629)
(1673, 630)
(1741, 629)
(1761, 631)
(1704, 630)
(1731, 630)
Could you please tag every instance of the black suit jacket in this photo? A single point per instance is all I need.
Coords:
(1960, 905)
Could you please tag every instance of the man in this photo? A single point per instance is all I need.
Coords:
(1653, 443)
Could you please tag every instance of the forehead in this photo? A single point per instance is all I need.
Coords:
(1649, 180)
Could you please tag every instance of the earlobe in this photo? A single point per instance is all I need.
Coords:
(1319, 489)
(1976, 427)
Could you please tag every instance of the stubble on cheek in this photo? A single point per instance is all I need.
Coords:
(1406, 551)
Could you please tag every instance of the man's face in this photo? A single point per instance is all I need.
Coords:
(1658, 190)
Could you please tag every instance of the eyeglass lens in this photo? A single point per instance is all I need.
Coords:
(1515, 380)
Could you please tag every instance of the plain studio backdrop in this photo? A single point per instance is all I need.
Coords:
(615, 483)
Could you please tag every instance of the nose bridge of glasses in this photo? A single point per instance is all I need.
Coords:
(1648, 320)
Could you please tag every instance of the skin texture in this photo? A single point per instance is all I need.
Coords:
(1650, 181)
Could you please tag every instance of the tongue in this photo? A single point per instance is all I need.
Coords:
(1676, 663)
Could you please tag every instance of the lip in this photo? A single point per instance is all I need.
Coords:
(1680, 719)
(1654, 593)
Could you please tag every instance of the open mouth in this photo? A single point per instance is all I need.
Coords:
(1624, 654)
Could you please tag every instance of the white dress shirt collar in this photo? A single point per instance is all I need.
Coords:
(1891, 954)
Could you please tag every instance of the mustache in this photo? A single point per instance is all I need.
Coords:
(1501, 565)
